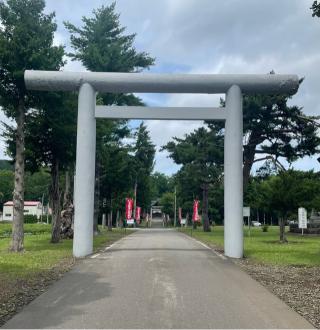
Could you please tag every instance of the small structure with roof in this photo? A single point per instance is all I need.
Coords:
(30, 208)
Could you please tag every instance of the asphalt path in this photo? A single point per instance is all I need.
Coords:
(157, 278)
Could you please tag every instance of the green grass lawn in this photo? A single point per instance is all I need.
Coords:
(265, 247)
(40, 255)
(29, 229)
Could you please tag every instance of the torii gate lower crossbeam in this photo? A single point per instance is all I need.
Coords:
(89, 83)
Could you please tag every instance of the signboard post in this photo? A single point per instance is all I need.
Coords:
(302, 217)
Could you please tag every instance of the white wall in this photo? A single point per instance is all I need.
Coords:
(28, 210)
(7, 213)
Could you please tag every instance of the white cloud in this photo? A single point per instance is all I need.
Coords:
(161, 133)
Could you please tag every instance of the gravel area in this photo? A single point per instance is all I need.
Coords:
(15, 294)
(299, 287)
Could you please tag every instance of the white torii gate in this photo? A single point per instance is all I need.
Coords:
(89, 83)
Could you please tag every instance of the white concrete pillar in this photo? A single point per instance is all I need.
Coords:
(104, 221)
(85, 172)
(233, 176)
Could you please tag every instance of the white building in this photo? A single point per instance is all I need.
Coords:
(30, 208)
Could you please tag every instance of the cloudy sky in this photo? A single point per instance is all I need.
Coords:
(213, 36)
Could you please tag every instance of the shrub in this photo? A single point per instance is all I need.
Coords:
(265, 228)
(30, 218)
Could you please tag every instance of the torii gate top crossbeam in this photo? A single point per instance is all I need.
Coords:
(162, 83)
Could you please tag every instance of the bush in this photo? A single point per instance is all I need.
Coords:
(30, 218)
(265, 228)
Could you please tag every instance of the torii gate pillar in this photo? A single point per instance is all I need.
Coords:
(85, 172)
(233, 177)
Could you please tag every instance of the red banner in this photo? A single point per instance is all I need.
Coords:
(195, 215)
(129, 208)
(138, 214)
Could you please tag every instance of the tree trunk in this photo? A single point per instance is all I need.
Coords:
(118, 218)
(66, 228)
(55, 198)
(248, 160)
(18, 194)
(67, 192)
(110, 216)
(205, 218)
(110, 221)
(282, 228)
(96, 230)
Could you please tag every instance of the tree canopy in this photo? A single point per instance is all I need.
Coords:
(201, 155)
(274, 130)
(316, 8)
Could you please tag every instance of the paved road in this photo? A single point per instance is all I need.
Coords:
(157, 278)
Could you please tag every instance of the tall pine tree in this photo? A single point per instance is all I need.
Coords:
(26, 42)
(201, 155)
(144, 163)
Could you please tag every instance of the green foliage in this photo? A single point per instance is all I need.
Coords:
(102, 45)
(6, 165)
(28, 218)
(26, 37)
(51, 132)
(265, 228)
(269, 119)
(36, 185)
(292, 189)
(6, 186)
(167, 203)
(273, 129)
(144, 162)
(201, 155)
(93, 47)
(281, 195)
(160, 184)
(315, 8)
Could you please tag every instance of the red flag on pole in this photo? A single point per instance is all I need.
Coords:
(138, 214)
(195, 215)
(129, 208)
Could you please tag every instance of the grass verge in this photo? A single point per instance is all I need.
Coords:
(264, 247)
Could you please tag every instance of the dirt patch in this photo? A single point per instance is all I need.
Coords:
(298, 286)
(16, 293)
